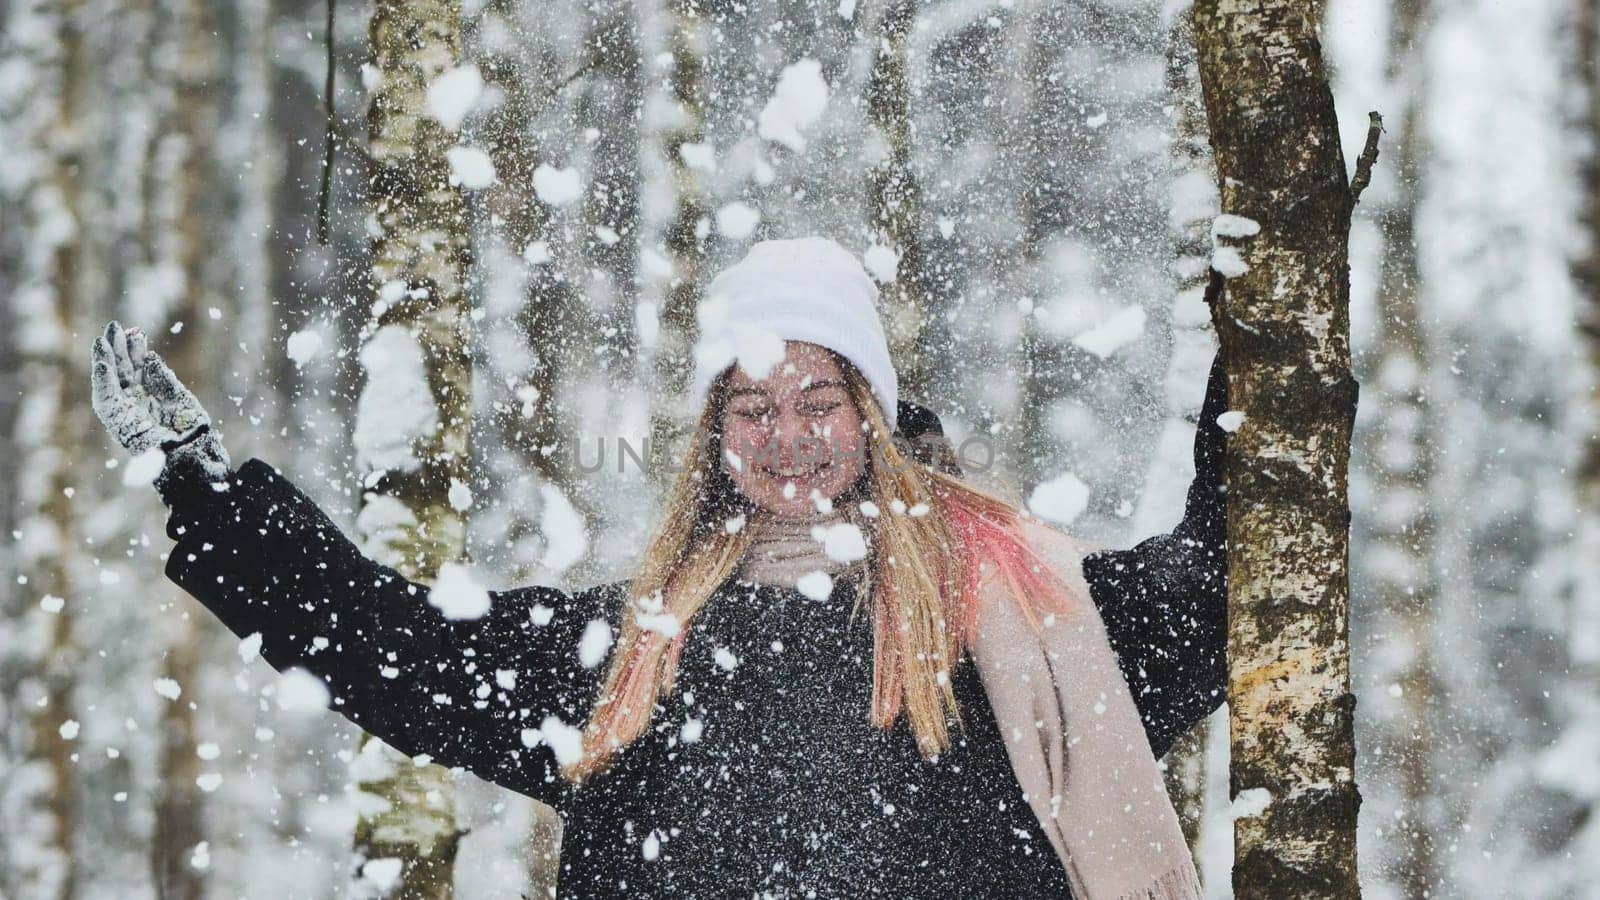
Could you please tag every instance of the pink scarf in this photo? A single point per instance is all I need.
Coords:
(1075, 740)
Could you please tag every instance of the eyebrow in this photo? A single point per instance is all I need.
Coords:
(826, 382)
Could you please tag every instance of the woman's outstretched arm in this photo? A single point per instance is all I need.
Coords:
(483, 694)
(1165, 601)
(471, 693)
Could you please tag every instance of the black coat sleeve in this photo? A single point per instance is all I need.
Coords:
(1165, 601)
(469, 693)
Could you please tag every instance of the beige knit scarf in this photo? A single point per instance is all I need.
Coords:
(784, 549)
(1072, 731)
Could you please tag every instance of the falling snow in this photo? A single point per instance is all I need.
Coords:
(1045, 273)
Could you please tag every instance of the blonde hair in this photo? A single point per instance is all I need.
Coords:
(933, 538)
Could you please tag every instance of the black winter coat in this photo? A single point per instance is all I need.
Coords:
(762, 778)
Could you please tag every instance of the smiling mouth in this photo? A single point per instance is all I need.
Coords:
(798, 476)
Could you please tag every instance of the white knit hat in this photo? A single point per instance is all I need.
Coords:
(805, 289)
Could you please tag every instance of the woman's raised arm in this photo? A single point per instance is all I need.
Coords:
(1165, 600)
(483, 694)
(471, 693)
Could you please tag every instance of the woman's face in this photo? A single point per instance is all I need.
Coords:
(792, 440)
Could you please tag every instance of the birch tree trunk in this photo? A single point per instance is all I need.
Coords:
(896, 196)
(414, 414)
(686, 233)
(184, 239)
(530, 424)
(611, 104)
(52, 305)
(611, 101)
(1584, 633)
(1402, 464)
(1044, 362)
(1284, 328)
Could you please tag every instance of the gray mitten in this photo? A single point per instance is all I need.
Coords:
(148, 411)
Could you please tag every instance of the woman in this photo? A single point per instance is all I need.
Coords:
(836, 671)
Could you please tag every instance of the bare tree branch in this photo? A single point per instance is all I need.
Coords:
(327, 145)
(1369, 156)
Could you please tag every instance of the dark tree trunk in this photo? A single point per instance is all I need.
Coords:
(1284, 328)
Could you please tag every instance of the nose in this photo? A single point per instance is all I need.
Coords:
(786, 425)
(796, 435)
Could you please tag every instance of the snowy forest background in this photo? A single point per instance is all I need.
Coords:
(161, 164)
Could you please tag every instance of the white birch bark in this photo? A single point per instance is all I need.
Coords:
(414, 415)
